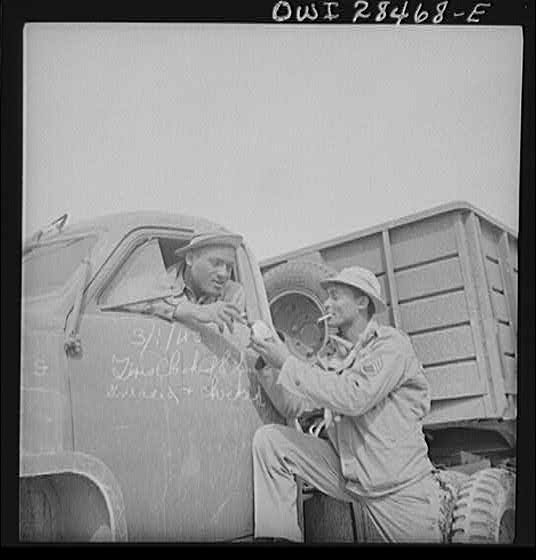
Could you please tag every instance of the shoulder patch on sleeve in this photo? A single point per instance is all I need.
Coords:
(371, 366)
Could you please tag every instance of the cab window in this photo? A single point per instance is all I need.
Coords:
(147, 273)
(144, 273)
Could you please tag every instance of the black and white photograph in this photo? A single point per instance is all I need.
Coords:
(268, 274)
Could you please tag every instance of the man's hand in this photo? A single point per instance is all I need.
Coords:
(274, 352)
(221, 313)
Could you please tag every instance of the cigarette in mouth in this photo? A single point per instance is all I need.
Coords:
(323, 318)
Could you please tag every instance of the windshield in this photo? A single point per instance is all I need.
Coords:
(48, 267)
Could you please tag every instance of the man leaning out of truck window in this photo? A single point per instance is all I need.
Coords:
(375, 396)
(199, 286)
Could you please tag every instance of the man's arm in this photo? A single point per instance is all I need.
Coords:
(179, 308)
(357, 389)
(162, 307)
(221, 313)
(288, 403)
(235, 294)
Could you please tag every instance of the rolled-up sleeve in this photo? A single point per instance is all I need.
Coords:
(356, 389)
(163, 308)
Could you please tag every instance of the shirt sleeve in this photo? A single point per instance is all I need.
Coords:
(356, 389)
(163, 308)
(235, 294)
(289, 403)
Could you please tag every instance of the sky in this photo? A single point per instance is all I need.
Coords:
(290, 135)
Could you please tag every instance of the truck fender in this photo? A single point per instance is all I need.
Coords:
(93, 469)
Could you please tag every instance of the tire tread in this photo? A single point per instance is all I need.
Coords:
(479, 508)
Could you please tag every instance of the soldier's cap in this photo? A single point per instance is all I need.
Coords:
(362, 279)
(208, 239)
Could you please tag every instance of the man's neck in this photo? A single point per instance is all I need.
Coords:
(353, 331)
(187, 277)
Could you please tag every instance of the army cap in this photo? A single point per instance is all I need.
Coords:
(208, 239)
(362, 279)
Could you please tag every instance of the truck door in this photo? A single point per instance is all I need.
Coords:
(170, 409)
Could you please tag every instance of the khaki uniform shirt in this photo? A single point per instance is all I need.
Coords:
(378, 391)
(174, 291)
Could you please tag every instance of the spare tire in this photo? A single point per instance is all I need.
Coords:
(296, 301)
(485, 508)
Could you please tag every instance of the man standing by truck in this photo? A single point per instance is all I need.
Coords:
(375, 396)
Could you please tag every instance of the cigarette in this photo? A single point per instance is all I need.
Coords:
(323, 318)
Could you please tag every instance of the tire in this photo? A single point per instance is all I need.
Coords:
(450, 483)
(296, 301)
(485, 508)
(38, 510)
(63, 507)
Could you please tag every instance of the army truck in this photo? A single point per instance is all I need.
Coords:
(449, 276)
(134, 428)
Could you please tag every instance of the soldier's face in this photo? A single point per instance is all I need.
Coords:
(211, 269)
(344, 305)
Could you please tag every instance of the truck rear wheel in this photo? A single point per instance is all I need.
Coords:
(296, 301)
(485, 508)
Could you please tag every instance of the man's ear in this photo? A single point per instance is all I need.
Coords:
(362, 302)
(189, 258)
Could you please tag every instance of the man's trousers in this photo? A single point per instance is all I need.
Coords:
(281, 452)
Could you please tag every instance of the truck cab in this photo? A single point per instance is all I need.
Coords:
(132, 427)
